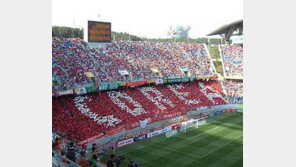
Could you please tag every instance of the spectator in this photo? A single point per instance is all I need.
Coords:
(83, 160)
(56, 144)
(234, 91)
(62, 157)
(71, 152)
(94, 161)
(110, 162)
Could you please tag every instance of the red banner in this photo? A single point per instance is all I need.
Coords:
(136, 83)
(115, 131)
(175, 126)
(85, 142)
(230, 110)
(214, 77)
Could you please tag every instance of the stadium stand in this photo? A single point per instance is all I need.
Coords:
(83, 117)
(126, 61)
(117, 115)
(167, 58)
(233, 60)
(234, 91)
(129, 89)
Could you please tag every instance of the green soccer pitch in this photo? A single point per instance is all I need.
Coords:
(219, 143)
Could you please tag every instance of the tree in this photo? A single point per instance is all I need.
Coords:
(67, 32)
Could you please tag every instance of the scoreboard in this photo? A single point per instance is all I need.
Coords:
(99, 32)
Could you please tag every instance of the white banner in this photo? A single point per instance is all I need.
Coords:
(125, 142)
(153, 134)
(80, 91)
(165, 129)
(171, 133)
(123, 72)
(65, 92)
(159, 81)
(169, 128)
(144, 122)
(159, 132)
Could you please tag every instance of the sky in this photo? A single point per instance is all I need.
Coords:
(149, 18)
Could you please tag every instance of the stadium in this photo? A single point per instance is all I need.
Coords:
(147, 103)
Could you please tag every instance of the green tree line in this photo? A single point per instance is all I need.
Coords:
(124, 36)
(69, 32)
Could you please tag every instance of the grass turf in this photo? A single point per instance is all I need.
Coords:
(218, 143)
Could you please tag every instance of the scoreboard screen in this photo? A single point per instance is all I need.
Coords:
(99, 32)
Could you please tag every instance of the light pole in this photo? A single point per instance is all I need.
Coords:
(187, 29)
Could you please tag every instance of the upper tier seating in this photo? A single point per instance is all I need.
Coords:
(141, 60)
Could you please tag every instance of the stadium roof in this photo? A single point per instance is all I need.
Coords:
(227, 30)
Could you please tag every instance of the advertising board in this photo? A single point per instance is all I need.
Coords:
(125, 142)
(140, 137)
(171, 133)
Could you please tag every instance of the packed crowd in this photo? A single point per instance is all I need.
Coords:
(233, 60)
(71, 58)
(126, 60)
(83, 117)
(138, 58)
(234, 91)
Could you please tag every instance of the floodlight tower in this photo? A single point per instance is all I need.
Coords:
(171, 32)
(187, 29)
